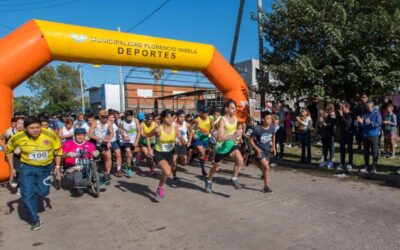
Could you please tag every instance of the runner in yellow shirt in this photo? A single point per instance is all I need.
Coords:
(39, 147)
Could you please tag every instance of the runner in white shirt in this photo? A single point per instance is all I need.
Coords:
(130, 131)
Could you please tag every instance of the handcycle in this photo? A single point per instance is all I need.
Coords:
(91, 178)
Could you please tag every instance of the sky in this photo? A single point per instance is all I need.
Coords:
(204, 21)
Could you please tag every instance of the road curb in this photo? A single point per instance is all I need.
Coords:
(393, 179)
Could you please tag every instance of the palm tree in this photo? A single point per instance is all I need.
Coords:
(157, 75)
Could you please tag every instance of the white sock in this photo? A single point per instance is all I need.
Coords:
(234, 178)
(118, 168)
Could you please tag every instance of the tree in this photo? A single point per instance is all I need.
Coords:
(28, 104)
(58, 88)
(157, 75)
(333, 48)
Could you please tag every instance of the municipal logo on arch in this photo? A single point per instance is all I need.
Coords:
(78, 37)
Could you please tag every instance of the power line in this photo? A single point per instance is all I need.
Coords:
(27, 3)
(43, 7)
(148, 16)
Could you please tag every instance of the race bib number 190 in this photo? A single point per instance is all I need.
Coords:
(38, 156)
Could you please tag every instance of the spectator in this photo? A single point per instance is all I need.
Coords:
(289, 127)
(371, 125)
(346, 129)
(327, 124)
(304, 122)
(361, 109)
(389, 131)
(280, 134)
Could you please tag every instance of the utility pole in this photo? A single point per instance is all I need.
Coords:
(260, 54)
(121, 87)
(237, 30)
(81, 80)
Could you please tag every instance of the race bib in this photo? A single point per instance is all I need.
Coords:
(38, 156)
(131, 131)
(265, 138)
(166, 147)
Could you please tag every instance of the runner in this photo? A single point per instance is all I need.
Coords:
(81, 123)
(228, 133)
(115, 148)
(130, 131)
(39, 147)
(66, 132)
(101, 131)
(166, 135)
(147, 143)
(202, 136)
(180, 156)
(214, 134)
(262, 140)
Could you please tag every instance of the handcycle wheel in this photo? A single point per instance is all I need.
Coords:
(95, 180)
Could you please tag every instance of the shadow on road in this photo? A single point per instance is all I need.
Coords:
(23, 214)
(137, 189)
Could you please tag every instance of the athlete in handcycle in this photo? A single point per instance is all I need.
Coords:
(79, 166)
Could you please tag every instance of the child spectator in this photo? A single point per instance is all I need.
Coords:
(389, 131)
(304, 122)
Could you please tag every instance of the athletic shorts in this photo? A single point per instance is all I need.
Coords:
(128, 145)
(102, 147)
(144, 145)
(202, 143)
(264, 155)
(218, 157)
(115, 145)
(180, 150)
(160, 156)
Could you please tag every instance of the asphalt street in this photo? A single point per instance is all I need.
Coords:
(308, 210)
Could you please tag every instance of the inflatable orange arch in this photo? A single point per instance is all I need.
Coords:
(36, 43)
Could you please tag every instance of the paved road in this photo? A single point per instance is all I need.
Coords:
(308, 210)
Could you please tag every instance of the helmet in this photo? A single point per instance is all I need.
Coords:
(79, 131)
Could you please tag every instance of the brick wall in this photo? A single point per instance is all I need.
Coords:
(134, 101)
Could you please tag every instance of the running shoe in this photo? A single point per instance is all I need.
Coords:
(152, 171)
(204, 173)
(329, 165)
(236, 184)
(160, 193)
(129, 172)
(36, 225)
(323, 164)
(364, 169)
(349, 167)
(267, 190)
(119, 173)
(107, 178)
(339, 167)
(208, 186)
(175, 181)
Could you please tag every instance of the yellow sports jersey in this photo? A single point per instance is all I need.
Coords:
(204, 125)
(166, 142)
(38, 151)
